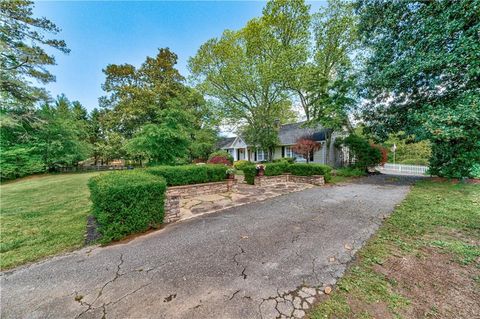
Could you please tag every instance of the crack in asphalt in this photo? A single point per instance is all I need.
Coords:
(91, 307)
(242, 251)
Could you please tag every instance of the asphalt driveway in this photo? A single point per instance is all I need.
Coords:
(260, 260)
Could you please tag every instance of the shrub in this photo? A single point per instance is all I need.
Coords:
(289, 160)
(475, 171)
(250, 171)
(272, 169)
(222, 153)
(126, 202)
(189, 174)
(311, 169)
(219, 160)
(350, 172)
(241, 164)
(365, 154)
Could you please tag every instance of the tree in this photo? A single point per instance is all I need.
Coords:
(422, 76)
(306, 146)
(244, 71)
(24, 53)
(363, 154)
(324, 81)
(59, 139)
(137, 96)
(159, 144)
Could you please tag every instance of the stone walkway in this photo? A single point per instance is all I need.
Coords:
(203, 204)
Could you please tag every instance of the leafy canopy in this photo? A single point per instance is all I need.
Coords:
(422, 76)
(24, 57)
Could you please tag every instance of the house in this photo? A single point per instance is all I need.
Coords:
(288, 135)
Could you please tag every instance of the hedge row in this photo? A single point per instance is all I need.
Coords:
(273, 169)
(190, 174)
(127, 202)
(311, 169)
(250, 171)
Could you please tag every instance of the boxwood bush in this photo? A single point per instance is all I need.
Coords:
(278, 168)
(126, 202)
(250, 171)
(190, 174)
(241, 164)
(311, 169)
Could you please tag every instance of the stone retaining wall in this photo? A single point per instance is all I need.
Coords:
(175, 193)
(271, 180)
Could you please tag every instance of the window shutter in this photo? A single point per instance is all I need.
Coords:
(283, 151)
(255, 156)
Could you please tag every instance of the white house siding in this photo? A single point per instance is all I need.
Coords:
(277, 153)
(320, 155)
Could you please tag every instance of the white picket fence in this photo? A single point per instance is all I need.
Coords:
(403, 169)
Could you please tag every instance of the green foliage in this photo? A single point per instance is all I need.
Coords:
(288, 160)
(25, 53)
(241, 164)
(159, 144)
(408, 151)
(326, 82)
(19, 161)
(429, 93)
(301, 169)
(127, 202)
(475, 171)
(350, 172)
(455, 135)
(250, 171)
(272, 169)
(36, 140)
(189, 174)
(364, 153)
(60, 139)
(221, 153)
(245, 70)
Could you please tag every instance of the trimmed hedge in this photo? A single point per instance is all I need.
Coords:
(126, 202)
(250, 171)
(190, 174)
(311, 169)
(241, 164)
(273, 169)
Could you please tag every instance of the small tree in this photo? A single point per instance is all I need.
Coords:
(306, 146)
(365, 154)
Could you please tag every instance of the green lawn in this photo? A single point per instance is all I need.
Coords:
(435, 232)
(42, 216)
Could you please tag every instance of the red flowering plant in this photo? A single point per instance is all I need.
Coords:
(383, 152)
(219, 160)
(305, 147)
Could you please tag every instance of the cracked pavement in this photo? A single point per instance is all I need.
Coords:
(270, 259)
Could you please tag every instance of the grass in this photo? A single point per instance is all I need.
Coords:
(342, 175)
(42, 216)
(440, 215)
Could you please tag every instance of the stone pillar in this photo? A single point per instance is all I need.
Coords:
(231, 185)
(171, 208)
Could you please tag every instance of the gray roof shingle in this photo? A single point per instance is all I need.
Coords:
(290, 133)
(225, 142)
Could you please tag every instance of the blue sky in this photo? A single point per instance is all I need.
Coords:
(101, 33)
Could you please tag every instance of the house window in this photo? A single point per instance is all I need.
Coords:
(288, 151)
(260, 155)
